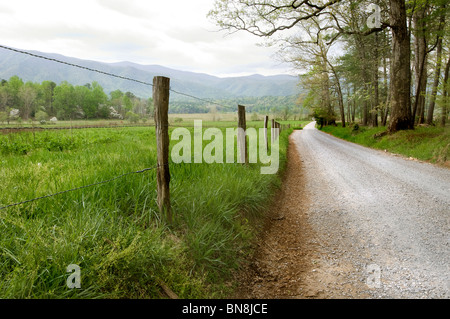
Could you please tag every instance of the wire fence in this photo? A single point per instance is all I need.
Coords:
(111, 75)
(73, 65)
(81, 187)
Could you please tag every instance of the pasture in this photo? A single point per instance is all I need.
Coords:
(114, 231)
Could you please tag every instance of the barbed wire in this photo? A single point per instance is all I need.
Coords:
(203, 100)
(109, 74)
(73, 65)
(82, 187)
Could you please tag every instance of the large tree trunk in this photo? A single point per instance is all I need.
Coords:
(437, 68)
(361, 48)
(420, 45)
(340, 95)
(354, 105)
(445, 94)
(400, 73)
(349, 111)
(376, 97)
(384, 109)
(435, 83)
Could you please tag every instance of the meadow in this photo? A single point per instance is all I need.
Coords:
(113, 231)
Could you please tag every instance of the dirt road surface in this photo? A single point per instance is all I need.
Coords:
(351, 222)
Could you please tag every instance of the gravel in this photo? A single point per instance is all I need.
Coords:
(382, 221)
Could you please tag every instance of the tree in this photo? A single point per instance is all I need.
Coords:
(310, 49)
(27, 95)
(437, 75)
(4, 98)
(14, 85)
(400, 72)
(445, 97)
(47, 89)
(65, 101)
(420, 65)
(90, 98)
(127, 104)
(265, 19)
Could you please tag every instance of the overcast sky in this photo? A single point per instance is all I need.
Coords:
(175, 34)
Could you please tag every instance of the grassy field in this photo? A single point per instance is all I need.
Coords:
(210, 119)
(113, 231)
(424, 143)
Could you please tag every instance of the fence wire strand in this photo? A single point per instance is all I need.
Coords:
(73, 65)
(82, 187)
(109, 74)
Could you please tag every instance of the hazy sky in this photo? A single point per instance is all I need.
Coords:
(173, 33)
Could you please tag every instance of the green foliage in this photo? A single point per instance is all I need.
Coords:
(66, 101)
(41, 116)
(132, 117)
(114, 231)
(3, 117)
(424, 143)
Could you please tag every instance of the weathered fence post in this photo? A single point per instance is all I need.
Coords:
(161, 87)
(266, 140)
(272, 131)
(276, 130)
(242, 139)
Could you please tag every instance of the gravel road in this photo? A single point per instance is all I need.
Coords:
(381, 221)
(352, 223)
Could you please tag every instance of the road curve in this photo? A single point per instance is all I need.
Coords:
(382, 220)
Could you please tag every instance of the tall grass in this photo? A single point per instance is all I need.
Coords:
(424, 143)
(114, 231)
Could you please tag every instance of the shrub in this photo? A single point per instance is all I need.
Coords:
(41, 116)
(3, 117)
(132, 117)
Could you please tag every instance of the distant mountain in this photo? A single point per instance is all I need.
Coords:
(33, 69)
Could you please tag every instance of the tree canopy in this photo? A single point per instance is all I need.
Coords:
(365, 59)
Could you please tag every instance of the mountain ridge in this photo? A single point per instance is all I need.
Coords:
(202, 85)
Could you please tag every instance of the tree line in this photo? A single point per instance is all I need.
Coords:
(21, 100)
(382, 62)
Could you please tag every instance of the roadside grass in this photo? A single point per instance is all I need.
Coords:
(430, 144)
(114, 231)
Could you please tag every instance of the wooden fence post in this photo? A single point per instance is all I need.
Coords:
(242, 139)
(161, 87)
(276, 132)
(272, 131)
(266, 140)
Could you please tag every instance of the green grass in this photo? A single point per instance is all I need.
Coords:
(424, 143)
(114, 231)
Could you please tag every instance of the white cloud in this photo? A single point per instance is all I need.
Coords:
(172, 33)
